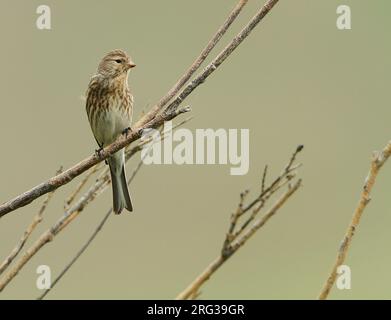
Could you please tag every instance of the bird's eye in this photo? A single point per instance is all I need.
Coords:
(118, 60)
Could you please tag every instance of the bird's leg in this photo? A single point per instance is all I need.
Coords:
(126, 131)
(99, 151)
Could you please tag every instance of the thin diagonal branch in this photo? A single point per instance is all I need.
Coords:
(80, 186)
(78, 254)
(223, 55)
(29, 230)
(49, 234)
(195, 65)
(378, 160)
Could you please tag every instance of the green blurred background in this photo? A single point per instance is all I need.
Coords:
(296, 80)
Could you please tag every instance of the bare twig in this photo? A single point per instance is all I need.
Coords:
(79, 253)
(45, 238)
(264, 178)
(235, 239)
(170, 112)
(192, 290)
(80, 186)
(36, 220)
(49, 234)
(378, 160)
(29, 230)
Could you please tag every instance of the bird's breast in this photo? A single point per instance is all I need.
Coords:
(109, 115)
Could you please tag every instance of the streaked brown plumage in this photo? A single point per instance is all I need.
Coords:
(109, 108)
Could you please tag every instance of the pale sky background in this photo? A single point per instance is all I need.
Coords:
(296, 80)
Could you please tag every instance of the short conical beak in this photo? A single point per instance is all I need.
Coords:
(131, 65)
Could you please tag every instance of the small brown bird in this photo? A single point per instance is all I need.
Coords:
(109, 108)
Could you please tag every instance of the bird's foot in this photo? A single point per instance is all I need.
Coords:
(126, 131)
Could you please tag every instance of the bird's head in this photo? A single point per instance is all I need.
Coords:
(115, 63)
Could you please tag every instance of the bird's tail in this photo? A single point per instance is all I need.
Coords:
(121, 197)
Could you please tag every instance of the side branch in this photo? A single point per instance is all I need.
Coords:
(378, 160)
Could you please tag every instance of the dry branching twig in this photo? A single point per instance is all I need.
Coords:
(152, 119)
(378, 160)
(238, 236)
